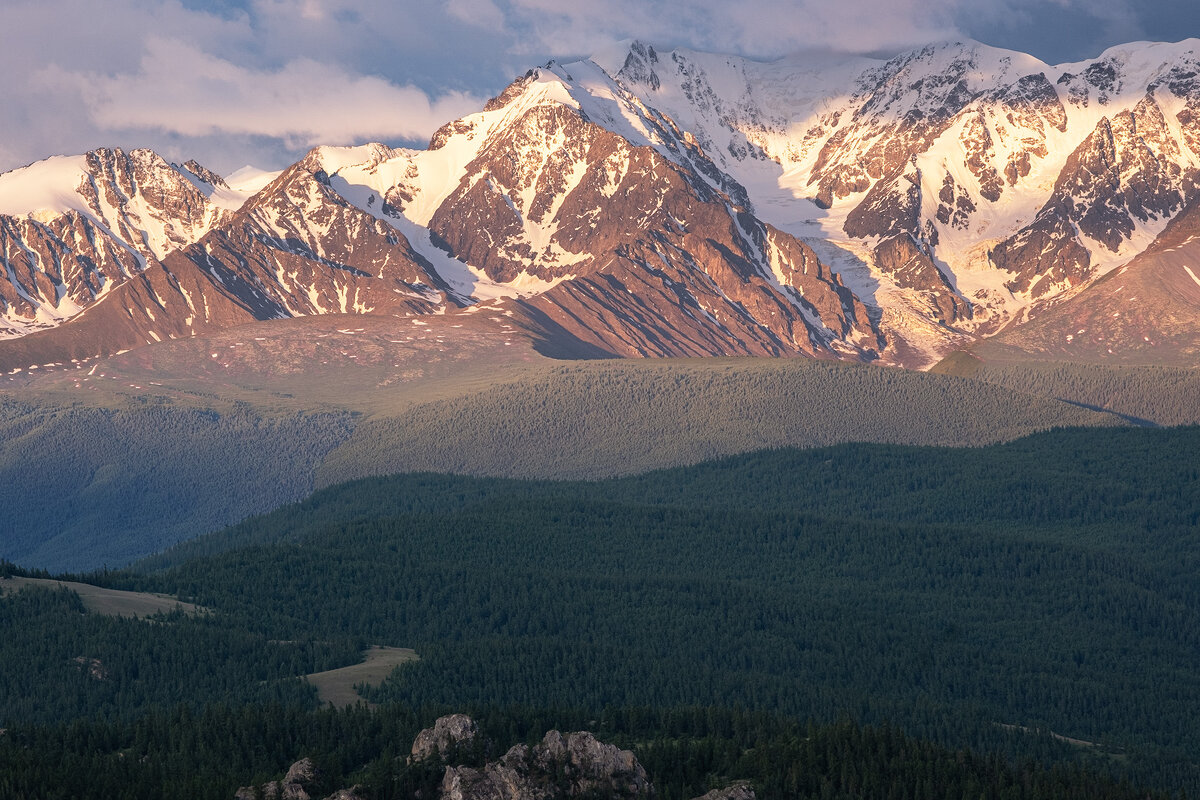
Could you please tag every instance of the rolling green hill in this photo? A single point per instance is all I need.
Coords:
(598, 419)
(1157, 394)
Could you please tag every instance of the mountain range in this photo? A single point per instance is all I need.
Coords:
(652, 203)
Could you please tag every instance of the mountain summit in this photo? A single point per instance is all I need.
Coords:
(650, 203)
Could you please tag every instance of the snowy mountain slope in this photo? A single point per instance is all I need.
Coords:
(72, 228)
(1145, 312)
(298, 248)
(628, 250)
(664, 203)
(1015, 180)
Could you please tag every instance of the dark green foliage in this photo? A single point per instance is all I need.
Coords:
(1050, 582)
(58, 662)
(1161, 395)
(82, 487)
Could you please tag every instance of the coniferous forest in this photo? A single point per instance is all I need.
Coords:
(1016, 620)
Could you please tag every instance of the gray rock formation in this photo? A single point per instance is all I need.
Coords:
(296, 785)
(561, 766)
(738, 791)
(447, 735)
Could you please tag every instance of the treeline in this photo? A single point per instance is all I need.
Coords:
(1049, 583)
(1161, 395)
(85, 487)
(208, 754)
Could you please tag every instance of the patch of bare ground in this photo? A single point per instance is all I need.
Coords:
(109, 602)
(336, 686)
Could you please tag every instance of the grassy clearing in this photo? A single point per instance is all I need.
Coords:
(336, 686)
(109, 602)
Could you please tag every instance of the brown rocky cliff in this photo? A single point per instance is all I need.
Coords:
(136, 208)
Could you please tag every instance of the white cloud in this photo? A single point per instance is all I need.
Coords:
(761, 28)
(481, 13)
(183, 90)
(249, 79)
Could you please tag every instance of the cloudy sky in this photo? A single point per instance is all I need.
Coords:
(231, 82)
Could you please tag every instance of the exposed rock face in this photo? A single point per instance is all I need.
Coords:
(446, 736)
(1147, 312)
(990, 160)
(299, 248)
(1125, 174)
(168, 300)
(58, 267)
(648, 256)
(561, 766)
(903, 259)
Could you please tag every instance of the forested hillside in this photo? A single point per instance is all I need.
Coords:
(1048, 583)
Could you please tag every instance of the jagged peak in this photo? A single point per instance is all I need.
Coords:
(53, 185)
(198, 170)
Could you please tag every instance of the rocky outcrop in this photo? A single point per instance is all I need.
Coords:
(738, 791)
(445, 738)
(299, 783)
(560, 766)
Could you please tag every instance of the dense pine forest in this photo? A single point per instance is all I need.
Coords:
(1035, 601)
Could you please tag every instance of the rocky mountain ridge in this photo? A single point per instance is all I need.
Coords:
(646, 203)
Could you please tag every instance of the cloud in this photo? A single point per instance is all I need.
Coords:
(762, 28)
(182, 90)
(481, 13)
(244, 80)
(267, 76)
(1055, 30)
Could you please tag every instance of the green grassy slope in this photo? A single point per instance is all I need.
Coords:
(1162, 395)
